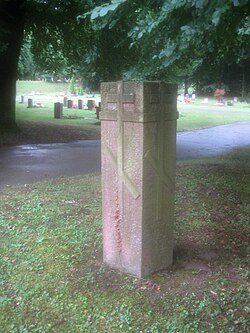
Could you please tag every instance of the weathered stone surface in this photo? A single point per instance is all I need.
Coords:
(138, 170)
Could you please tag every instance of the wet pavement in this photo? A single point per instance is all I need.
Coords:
(212, 141)
(30, 163)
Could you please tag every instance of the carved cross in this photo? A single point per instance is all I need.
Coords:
(158, 162)
(119, 102)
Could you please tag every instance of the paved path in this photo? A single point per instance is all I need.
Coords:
(30, 163)
(212, 141)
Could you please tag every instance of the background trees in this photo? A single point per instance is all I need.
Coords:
(72, 43)
(193, 41)
(52, 34)
(26, 64)
(198, 40)
(58, 42)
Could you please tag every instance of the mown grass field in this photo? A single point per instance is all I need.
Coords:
(52, 278)
(47, 94)
(26, 87)
(192, 115)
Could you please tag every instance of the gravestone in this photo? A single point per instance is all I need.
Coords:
(69, 103)
(91, 104)
(138, 127)
(30, 103)
(65, 101)
(58, 110)
(80, 104)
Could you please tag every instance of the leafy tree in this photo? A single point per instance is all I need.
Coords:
(26, 64)
(187, 39)
(52, 26)
(184, 38)
(108, 57)
(60, 40)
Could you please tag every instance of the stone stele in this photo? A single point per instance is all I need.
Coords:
(138, 127)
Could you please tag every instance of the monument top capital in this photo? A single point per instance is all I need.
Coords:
(138, 101)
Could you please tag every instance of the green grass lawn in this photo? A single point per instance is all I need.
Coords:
(38, 125)
(71, 116)
(190, 120)
(53, 279)
(192, 116)
(26, 87)
(197, 115)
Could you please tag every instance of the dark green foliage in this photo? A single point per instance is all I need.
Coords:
(50, 25)
(26, 65)
(193, 39)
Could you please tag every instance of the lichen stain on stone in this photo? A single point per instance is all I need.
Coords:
(117, 224)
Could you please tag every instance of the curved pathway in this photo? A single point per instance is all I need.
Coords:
(212, 141)
(30, 163)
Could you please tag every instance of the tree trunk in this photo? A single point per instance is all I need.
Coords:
(12, 16)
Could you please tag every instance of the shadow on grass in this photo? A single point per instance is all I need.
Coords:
(38, 133)
(212, 215)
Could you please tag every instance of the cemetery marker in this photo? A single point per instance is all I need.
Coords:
(58, 110)
(138, 125)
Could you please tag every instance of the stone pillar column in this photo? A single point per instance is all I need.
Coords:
(138, 126)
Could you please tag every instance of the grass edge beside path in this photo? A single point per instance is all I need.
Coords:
(38, 125)
(44, 132)
(32, 132)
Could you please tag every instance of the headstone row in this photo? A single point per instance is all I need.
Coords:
(69, 103)
(58, 108)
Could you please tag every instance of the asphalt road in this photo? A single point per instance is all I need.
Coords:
(30, 163)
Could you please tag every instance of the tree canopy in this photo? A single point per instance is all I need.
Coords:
(95, 52)
(181, 37)
(50, 26)
(122, 39)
